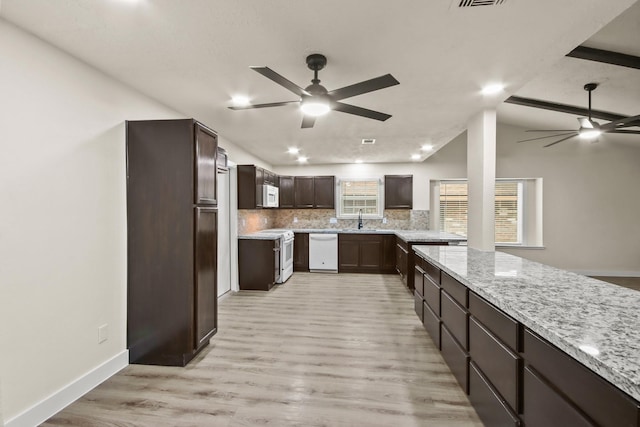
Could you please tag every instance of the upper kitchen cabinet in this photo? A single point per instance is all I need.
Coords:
(251, 180)
(398, 191)
(303, 192)
(171, 240)
(286, 184)
(324, 192)
(314, 192)
(206, 142)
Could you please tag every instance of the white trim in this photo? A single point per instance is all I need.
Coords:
(516, 246)
(59, 400)
(607, 273)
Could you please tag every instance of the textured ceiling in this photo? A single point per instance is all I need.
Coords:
(194, 55)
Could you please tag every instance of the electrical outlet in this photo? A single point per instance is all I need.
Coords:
(333, 220)
(384, 220)
(103, 333)
(295, 219)
(265, 220)
(244, 222)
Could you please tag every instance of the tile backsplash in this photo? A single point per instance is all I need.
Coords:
(250, 221)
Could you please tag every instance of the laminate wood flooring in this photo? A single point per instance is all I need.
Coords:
(320, 350)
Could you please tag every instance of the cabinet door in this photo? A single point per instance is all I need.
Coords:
(301, 252)
(259, 183)
(398, 191)
(389, 261)
(303, 192)
(206, 293)
(206, 145)
(286, 192)
(324, 192)
(371, 254)
(348, 253)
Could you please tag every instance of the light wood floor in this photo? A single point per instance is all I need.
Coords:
(321, 350)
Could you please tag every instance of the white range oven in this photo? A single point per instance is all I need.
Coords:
(286, 253)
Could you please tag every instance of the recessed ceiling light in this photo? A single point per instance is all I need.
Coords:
(492, 89)
(240, 100)
(415, 157)
(358, 161)
(427, 147)
(293, 150)
(302, 159)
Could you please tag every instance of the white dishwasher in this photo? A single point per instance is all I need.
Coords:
(323, 253)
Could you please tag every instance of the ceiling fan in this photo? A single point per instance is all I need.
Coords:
(315, 100)
(589, 128)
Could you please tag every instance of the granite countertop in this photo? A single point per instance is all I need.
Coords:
(413, 236)
(260, 236)
(595, 322)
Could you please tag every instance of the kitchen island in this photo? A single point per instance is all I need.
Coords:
(530, 342)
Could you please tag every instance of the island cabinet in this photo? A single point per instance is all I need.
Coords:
(258, 263)
(316, 192)
(301, 252)
(405, 260)
(398, 191)
(513, 376)
(286, 192)
(365, 253)
(172, 222)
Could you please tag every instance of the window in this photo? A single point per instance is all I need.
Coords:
(362, 194)
(513, 198)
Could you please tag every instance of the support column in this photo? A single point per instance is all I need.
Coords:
(481, 175)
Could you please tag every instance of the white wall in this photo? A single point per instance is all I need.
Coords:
(63, 217)
(420, 177)
(589, 197)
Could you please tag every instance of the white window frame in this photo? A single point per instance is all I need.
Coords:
(339, 201)
(529, 210)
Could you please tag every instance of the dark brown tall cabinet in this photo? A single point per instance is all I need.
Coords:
(172, 221)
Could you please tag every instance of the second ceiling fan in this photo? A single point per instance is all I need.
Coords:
(589, 128)
(315, 100)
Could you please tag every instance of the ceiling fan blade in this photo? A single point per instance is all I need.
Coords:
(282, 81)
(271, 104)
(550, 130)
(548, 136)
(560, 140)
(359, 111)
(308, 122)
(363, 87)
(624, 122)
(585, 123)
(632, 132)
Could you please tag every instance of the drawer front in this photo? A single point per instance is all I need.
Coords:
(543, 407)
(455, 318)
(487, 402)
(432, 271)
(456, 358)
(456, 289)
(418, 281)
(431, 295)
(498, 364)
(501, 325)
(418, 304)
(431, 323)
(600, 400)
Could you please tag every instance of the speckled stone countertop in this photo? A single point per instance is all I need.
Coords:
(413, 236)
(595, 322)
(419, 236)
(260, 236)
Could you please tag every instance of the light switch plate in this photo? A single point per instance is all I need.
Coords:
(384, 220)
(295, 219)
(333, 220)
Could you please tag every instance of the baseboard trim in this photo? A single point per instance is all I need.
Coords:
(608, 273)
(59, 400)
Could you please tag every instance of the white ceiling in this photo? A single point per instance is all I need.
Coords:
(194, 55)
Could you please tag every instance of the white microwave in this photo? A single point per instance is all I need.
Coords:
(269, 196)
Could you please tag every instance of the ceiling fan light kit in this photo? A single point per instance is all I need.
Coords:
(590, 129)
(315, 100)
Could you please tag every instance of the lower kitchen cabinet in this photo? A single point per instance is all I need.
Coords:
(258, 263)
(513, 376)
(365, 253)
(301, 252)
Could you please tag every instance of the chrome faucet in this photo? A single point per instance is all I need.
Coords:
(360, 219)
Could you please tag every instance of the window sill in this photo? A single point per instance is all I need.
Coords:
(502, 246)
